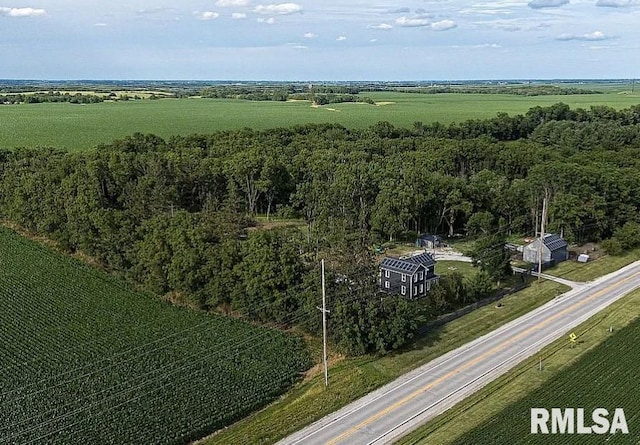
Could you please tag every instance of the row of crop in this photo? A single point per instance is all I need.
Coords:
(92, 362)
(606, 377)
(212, 388)
(126, 371)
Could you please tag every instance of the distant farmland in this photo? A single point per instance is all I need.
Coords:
(78, 127)
(87, 361)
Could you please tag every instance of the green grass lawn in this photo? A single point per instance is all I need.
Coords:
(78, 127)
(572, 270)
(446, 267)
(457, 425)
(352, 378)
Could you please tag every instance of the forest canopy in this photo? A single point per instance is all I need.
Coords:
(175, 216)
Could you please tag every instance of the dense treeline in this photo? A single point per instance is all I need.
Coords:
(318, 95)
(249, 92)
(331, 98)
(518, 90)
(176, 216)
(52, 96)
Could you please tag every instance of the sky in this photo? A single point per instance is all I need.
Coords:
(309, 40)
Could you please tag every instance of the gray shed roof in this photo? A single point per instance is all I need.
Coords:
(554, 242)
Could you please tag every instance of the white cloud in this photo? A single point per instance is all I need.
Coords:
(538, 4)
(443, 25)
(399, 11)
(410, 22)
(512, 25)
(481, 46)
(100, 24)
(383, 26)
(21, 12)
(207, 15)
(278, 8)
(341, 39)
(617, 3)
(373, 40)
(487, 11)
(153, 11)
(590, 37)
(229, 3)
(269, 21)
(238, 15)
(310, 35)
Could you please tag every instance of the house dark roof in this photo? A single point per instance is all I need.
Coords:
(400, 266)
(407, 266)
(554, 242)
(427, 237)
(424, 258)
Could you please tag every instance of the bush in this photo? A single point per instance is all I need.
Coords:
(612, 247)
(628, 235)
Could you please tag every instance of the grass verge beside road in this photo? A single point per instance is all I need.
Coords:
(352, 378)
(572, 270)
(526, 378)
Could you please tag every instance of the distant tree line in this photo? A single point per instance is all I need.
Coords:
(249, 92)
(177, 216)
(318, 95)
(518, 90)
(52, 96)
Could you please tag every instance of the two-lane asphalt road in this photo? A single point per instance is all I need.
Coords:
(395, 409)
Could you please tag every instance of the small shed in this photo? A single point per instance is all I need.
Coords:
(429, 241)
(554, 250)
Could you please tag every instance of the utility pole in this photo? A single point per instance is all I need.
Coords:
(324, 311)
(542, 224)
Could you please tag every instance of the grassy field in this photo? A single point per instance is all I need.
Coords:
(600, 371)
(350, 379)
(572, 270)
(446, 267)
(78, 127)
(86, 360)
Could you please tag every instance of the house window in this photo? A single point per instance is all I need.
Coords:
(415, 278)
(403, 290)
(404, 278)
(386, 274)
(421, 276)
(386, 285)
(421, 288)
(415, 290)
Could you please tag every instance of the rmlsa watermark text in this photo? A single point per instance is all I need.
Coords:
(573, 421)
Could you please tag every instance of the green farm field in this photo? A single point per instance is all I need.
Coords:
(78, 127)
(87, 361)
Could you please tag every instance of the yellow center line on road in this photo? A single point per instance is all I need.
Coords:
(470, 363)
